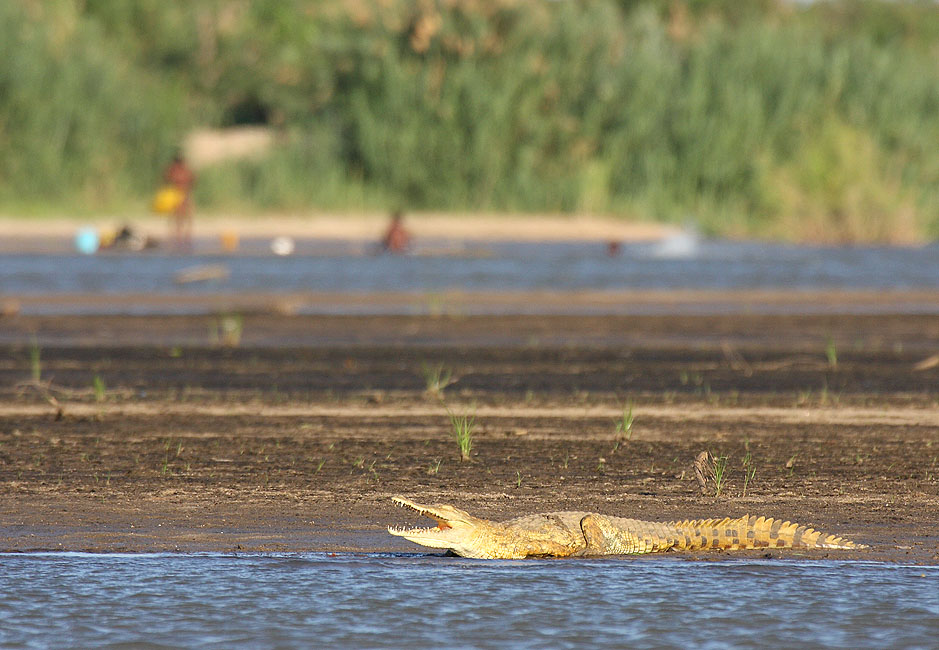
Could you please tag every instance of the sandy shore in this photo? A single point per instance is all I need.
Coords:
(365, 226)
(296, 438)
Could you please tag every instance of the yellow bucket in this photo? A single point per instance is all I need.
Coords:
(167, 200)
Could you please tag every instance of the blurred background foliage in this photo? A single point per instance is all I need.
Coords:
(765, 118)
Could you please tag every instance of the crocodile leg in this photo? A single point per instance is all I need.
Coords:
(625, 536)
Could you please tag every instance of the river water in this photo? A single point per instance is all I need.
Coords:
(75, 600)
(678, 263)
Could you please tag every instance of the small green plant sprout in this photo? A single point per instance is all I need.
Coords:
(518, 479)
(624, 425)
(436, 378)
(462, 428)
(434, 467)
(749, 471)
(97, 385)
(226, 330)
(720, 474)
(35, 363)
(831, 353)
(435, 305)
(230, 328)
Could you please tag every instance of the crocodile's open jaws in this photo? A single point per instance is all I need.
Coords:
(452, 524)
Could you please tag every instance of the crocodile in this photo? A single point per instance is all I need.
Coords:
(578, 534)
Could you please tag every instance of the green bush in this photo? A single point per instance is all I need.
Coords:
(787, 120)
(78, 125)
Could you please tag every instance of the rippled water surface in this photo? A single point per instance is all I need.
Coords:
(76, 600)
(677, 263)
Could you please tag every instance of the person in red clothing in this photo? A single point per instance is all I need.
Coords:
(182, 178)
(396, 239)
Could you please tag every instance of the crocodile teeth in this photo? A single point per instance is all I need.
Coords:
(403, 503)
(400, 530)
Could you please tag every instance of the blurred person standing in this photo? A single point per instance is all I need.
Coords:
(396, 239)
(179, 176)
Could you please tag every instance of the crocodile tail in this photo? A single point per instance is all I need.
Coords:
(754, 532)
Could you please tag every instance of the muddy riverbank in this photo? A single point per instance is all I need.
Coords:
(166, 433)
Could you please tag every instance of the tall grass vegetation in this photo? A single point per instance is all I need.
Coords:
(799, 121)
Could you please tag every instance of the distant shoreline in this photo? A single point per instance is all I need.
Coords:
(362, 226)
